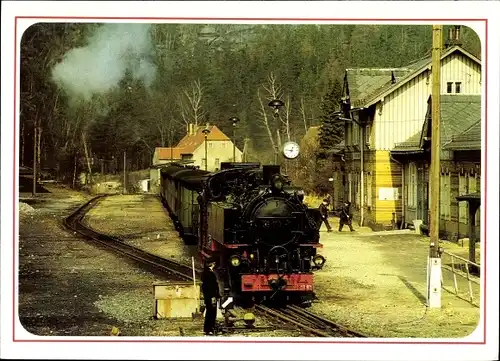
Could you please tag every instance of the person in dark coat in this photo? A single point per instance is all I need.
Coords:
(329, 199)
(345, 216)
(323, 210)
(211, 295)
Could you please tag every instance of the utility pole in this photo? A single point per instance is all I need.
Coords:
(245, 150)
(35, 156)
(434, 261)
(276, 104)
(362, 178)
(235, 121)
(206, 132)
(124, 172)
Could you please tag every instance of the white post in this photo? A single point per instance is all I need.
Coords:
(434, 282)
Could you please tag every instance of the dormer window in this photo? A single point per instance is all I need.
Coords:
(457, 88)
(449, 87)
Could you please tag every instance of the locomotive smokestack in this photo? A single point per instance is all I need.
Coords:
(268, 171)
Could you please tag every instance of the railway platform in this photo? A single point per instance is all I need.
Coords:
(376, 283)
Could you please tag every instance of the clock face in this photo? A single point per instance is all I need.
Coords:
(291, 150)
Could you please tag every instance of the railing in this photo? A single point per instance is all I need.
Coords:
(461, 269)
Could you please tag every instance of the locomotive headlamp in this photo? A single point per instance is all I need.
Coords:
(235, 261)
(319, 260)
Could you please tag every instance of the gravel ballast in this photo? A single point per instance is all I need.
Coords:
(372, 283)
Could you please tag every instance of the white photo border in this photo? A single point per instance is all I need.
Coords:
(483, 17)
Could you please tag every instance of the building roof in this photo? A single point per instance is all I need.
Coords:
(460, 123)
(25, 170)
(458, 114)
(470, 139)
(471, 197)
(170, 153)
(412, 144)
(191, 142)
(364, 83)
(365, 92)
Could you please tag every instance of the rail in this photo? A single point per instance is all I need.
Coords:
(164, 266)
(461, 269)
(309, 322)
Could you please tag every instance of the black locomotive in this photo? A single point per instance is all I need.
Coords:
(254, 222)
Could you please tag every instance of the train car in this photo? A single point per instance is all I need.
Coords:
(179, 191)
(254, 222)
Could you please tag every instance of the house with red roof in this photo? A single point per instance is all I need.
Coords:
(191, 149)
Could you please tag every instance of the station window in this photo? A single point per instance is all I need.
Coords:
(462, 206)
(412, 185)
(445, 197)
(449, 87)
(458, 87)
(367, 134)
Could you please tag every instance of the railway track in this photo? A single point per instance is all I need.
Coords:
(303, 319)
(174, 270)
(310, 322)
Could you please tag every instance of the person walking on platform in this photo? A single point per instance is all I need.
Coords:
(323, 210)
(345, 217)
(211, 295)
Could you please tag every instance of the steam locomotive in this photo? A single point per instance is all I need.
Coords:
(254, 222)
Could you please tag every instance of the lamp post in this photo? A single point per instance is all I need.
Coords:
(276, 104)
(235, 121)
(206, 132)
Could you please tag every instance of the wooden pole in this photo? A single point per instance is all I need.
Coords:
(362, 178)
(124, 172)
(435, 138)
(206, 153)
(234, 142)
(34, 157)
(434, 264)
(74, 173)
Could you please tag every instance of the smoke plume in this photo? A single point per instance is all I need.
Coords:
(112, 51)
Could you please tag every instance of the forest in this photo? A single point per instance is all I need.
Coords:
(93, 90)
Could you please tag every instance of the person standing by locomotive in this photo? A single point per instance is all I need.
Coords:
(323, 209)
(345, 216)
(211, 295)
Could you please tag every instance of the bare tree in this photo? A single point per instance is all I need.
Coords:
(272, 90)
(191, 107)
(303, 113)
(286, 121)
(263, 114)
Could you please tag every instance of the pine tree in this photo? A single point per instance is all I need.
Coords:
(331, 131)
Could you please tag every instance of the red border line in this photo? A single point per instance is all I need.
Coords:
(114, 340)
(14, 189)
(244, 19)
(485, 166)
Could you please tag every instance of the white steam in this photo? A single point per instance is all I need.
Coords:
(112, 51)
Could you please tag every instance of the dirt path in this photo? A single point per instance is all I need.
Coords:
(71, 287)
